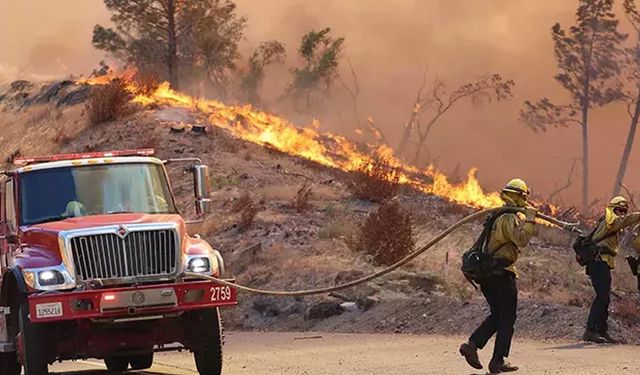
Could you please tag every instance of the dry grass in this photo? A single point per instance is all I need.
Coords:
(61, 137)
(301, 202)
(20, 130)
(627, 310)
(374, 181)
(279, 192)
(338, 229)
(108, 102)
(386, 235)
(43, 113)
(555, 236)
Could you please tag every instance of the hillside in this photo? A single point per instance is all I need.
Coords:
(282, 247)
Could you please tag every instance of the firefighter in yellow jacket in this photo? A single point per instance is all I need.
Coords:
(617, 218)
(508, 235)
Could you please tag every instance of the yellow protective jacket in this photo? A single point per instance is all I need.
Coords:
(607, 241)
(509, 234)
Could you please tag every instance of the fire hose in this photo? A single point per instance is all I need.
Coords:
(300, 293)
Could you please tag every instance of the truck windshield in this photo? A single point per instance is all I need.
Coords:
(60, 193)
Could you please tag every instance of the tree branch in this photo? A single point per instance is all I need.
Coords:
(567, 184)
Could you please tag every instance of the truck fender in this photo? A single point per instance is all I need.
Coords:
(12, 278)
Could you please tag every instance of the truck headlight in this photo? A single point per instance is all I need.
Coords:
(199, 265)
(48, 278)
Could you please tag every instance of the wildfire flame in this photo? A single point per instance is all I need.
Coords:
(325, 148)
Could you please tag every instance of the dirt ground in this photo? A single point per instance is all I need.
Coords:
(354, 354)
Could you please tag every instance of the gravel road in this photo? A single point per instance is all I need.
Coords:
(355, 354)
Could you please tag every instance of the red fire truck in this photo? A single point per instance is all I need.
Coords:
(93, 256)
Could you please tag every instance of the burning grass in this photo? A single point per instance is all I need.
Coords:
(386, 235)
(324, 148)
(108, 102)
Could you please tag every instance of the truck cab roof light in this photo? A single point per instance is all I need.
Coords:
(23, 161)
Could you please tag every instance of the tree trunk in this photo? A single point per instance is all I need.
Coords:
(404, 141)
(422, 141)
(585, 157)
(622, 168)
(172, 53)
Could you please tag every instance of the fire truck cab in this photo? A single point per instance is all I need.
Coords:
(93, 256)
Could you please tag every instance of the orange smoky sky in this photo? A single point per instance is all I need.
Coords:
(388, 43)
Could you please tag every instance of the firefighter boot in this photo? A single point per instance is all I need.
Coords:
(592, 336)
(469, 351)
(498, 367)
(609, 339)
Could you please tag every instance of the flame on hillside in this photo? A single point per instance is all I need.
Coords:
(325, 148)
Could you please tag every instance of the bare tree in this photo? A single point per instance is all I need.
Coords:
(439, 101)
(589, 59)
(632, 75)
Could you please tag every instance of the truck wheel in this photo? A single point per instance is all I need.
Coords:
(34, 350)
(9, 364)
(207, 334)
(141, 361)
(116, 363)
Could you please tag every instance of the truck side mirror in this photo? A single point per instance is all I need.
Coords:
(12, 239)
(202, 189)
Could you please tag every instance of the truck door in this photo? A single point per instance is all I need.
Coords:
(4, 248)
(8, 225)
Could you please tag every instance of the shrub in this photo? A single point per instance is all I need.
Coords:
(108, 102)
(374, 180)
(303, 195)
(247, 209)
(247, 215)
(242, 202)
(386, 235)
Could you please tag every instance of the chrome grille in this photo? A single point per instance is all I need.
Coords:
(138, 254)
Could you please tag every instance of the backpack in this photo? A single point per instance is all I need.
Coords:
(476, 262)
(586, 248)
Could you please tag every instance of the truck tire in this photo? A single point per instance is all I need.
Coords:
(117, 363)
(207, 336)
(141, 361)
(35, 355)
(9, 364)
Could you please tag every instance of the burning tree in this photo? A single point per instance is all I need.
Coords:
(632, 97)
(439, 101)
(165, 36)
(589, 59)
(320, 53)
(267, 53)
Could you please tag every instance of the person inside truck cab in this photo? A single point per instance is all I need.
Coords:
(74, 209)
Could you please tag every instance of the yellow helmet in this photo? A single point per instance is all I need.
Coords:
(517, 186)
(620, 202)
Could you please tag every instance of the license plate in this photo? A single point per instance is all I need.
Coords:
(48, 310)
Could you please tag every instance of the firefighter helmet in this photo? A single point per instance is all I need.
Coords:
(517, 186)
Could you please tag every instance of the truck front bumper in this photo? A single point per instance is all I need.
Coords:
(129, 303)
